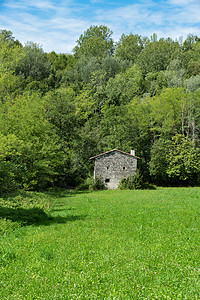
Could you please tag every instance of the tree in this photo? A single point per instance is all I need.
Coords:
(60, 112)
(10, 55)
(192, 117)
(82, 71)
(167, 112)
(183, 160)
(31, 153)
(189, 42)
(125, 86)
(193, 59)
(175, 161)
(155, 82)
(96, 41)
(84, 106)
(139, 111)
(111, 66)
(97, 89)
(192, 84)
(129, 47)
(157, 55)
(7, 36)
(11, 163)
(175, 73)
(61, 61)
(10, 86)
(158, 164)
(118, 128)
(34, 63)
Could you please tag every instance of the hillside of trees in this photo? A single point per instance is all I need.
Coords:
(57, 110)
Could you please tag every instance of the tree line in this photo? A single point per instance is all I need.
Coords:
(57, 110)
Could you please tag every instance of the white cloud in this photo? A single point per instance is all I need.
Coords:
(58, 31)
(21, 4)
(59, 35)
(145, 18)
(183, 2)
(58, 24)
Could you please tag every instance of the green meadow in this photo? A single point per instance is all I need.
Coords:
(101, 245)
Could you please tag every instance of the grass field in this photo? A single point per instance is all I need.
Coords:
(105, 245)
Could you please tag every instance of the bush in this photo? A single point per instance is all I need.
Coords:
(134, 182)
(92, 183)
(97, 184)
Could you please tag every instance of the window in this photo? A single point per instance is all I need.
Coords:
(107, 180)
(107, 168)
(124, 168)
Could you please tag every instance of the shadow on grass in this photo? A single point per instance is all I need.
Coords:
(14, 207)
(53, 193)
(62, 193)
(61, 209)
(35, 216)
(148, 186)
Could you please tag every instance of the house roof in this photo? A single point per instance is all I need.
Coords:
(108, 152)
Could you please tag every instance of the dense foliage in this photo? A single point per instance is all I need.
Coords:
(57, 110)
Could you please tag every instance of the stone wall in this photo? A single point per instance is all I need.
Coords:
(112, 167)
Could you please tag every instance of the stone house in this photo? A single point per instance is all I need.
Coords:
(114, 165)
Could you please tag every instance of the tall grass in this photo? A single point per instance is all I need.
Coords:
(107, 245)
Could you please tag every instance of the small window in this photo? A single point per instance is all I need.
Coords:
(107, 180)
(124, 168)
(107, 168)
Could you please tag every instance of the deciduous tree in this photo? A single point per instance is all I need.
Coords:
(95, 41)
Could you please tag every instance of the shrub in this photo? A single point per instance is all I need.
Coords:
(97, 184)
(92, 183)
(133, 182)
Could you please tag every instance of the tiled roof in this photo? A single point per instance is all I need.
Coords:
(113, 151)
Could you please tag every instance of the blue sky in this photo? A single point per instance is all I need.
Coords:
(57, 24)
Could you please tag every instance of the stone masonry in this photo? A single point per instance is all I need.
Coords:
(114, 165)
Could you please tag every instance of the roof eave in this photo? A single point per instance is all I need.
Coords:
(101, 154)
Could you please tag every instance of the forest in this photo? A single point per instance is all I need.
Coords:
(57, 109)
